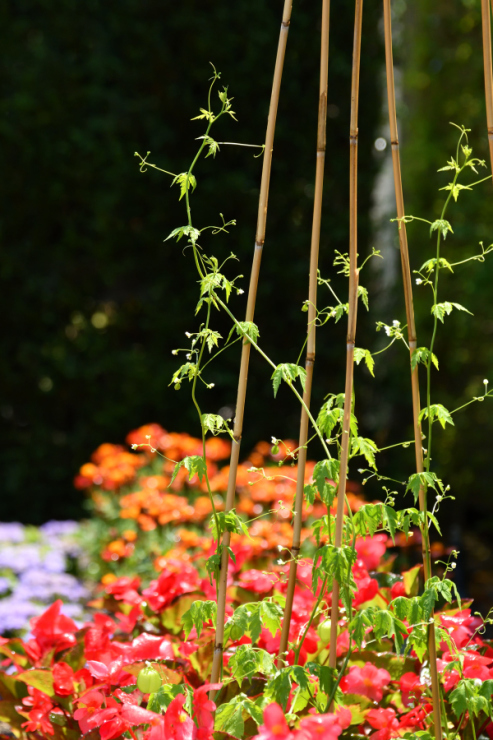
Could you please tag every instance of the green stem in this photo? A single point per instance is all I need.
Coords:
(312, 617)
(195, 403)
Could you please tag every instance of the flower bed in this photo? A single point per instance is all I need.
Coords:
(65, 679)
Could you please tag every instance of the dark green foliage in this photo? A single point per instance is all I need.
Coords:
(94, 301)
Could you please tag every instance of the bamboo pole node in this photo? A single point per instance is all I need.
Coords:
(285, 24)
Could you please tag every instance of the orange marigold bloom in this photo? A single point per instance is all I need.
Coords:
(117, 547)
(147, 523)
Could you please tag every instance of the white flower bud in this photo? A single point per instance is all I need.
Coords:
(418, 281)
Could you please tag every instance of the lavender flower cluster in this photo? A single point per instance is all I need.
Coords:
(33, 565)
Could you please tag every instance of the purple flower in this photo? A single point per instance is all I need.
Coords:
(11, 532)
(59, 529)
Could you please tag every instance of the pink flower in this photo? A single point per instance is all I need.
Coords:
(367, 681)
(371, 549)
(177, 724)
(275, 726)
(320, 727)
(255, 580)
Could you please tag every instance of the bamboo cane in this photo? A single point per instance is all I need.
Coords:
(245, 352)
(312, 310)
(488, 79)
(352, 315)
(412, 340)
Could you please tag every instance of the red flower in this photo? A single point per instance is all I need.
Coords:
(255, 580)
(385, 722)
(411, 689)
(275, 726)
(125, 589)
(367, 681)
(177, 578)
(371, 549)
(63, 679)
(203, 707)
(38, 715)
(52, 630)
(320, 727)
(177, 724)
(398, 589)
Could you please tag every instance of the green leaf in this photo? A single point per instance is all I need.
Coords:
(451, 165)
(422, 354)
(443, 226)
(437, 412)
(288, 372)
(229, 717)
(340, 310)
(364, 354)
(441, 309)
(199, 612)
(38, 679)
(279, 687)
(270, 615)
(228, 521)
(467, 697)
(213, 423)
(324, 471)
(248, 660)
(211, 143)
(455, 188)
(416, 480)
(366, 447)
(184, 231)
(193, 464)
(186, 181)
(207, 114)
(247, 328)
(363, 294)
(189, 369)
(430, 264)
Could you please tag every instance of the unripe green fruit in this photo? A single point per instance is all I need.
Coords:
(275, 450)
(149, 680)
(323, 630)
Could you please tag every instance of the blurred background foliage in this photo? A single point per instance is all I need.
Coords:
(94, 301)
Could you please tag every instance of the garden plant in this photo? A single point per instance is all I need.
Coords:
(269, 599)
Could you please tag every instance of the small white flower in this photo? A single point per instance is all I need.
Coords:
(134, 447)
(240, 291)
(174, 351)
(485, 381)
(273, 440)
(396, 323)
(189, 356)
(453, 565)
(387, 331)
(360, 470)
(187, 334)
(211, 385)
(418, 281)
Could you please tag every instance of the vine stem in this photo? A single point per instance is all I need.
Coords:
(245, 353)
(488, 77)
(312, 316)
(352, 316)
(412, 341)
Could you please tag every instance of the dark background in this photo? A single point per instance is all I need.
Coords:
(94, 300)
